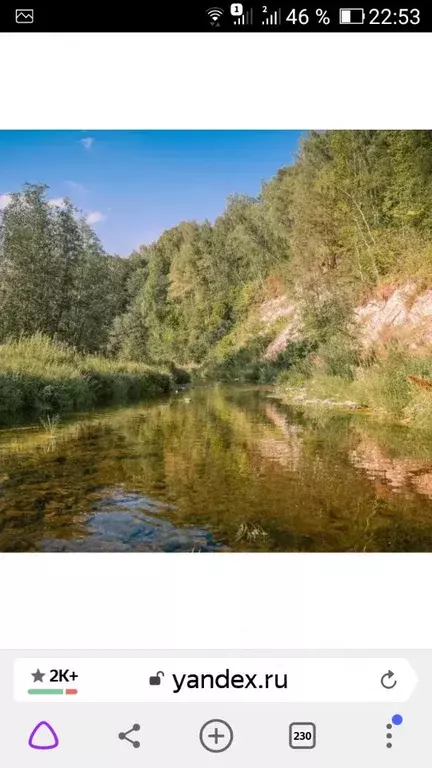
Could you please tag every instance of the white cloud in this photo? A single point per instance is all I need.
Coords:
(79, 189)
(87, 142)
(5, 200)
(94, 217)
(57, 202)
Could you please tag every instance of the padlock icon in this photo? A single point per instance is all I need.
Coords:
(156, 679)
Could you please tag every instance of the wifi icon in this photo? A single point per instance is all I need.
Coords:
(214, 14)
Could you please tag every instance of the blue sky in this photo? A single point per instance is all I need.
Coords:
(134, 184)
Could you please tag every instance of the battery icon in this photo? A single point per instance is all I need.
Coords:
(351, 16)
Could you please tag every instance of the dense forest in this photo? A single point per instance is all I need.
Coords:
(353, 211)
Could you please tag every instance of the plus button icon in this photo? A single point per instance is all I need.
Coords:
(216, 735)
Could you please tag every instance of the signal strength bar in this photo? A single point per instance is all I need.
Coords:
(247, 18)
(273, 19)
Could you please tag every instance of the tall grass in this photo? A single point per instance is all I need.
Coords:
(43, 377)
(383, 384)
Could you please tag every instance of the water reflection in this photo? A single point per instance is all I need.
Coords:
(131, 521)
(400, 474)
(225, 469)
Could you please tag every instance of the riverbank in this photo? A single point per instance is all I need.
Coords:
(397, 389)
(43, 378)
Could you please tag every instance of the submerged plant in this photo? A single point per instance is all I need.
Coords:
(50, 423)
(250, 532)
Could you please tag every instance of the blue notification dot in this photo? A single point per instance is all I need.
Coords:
(397, 719)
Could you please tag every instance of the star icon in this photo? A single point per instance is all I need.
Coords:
(38, 676)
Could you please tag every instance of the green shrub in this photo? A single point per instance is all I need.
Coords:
(40, 376)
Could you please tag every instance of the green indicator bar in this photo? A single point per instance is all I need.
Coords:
(45, 691)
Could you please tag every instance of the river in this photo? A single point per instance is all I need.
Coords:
(215, 469)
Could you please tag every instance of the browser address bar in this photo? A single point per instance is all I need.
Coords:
(64, 680)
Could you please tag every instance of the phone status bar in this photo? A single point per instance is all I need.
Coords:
(315, 19)
(233, 17)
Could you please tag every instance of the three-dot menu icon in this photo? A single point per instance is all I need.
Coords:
(396, 720)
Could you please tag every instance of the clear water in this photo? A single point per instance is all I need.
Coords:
(212, 470)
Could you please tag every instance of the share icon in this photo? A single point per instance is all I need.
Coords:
(124, 736)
